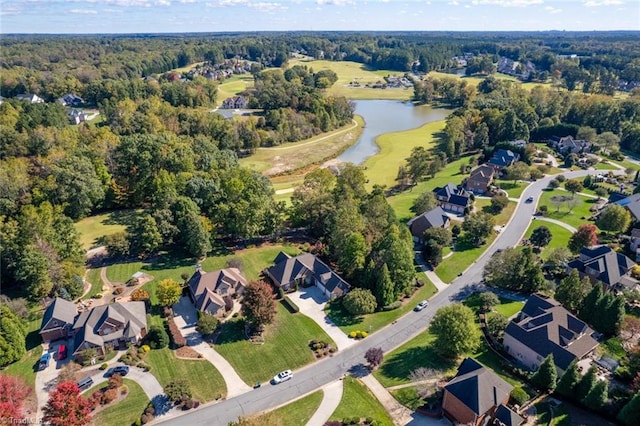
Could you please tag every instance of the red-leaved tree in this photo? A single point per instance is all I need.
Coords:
(66, 407)
(258, 304)
(585, 236)
(13, 392)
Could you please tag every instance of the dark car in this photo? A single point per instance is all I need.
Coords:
(62, 352)
(122, 370)
(529, 200)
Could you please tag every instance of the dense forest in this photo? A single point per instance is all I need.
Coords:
(158, 149)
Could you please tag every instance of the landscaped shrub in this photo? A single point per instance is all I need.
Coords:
(518, 396)
(358, 334)
(115, 381)
(392, 306)
(146, 348)
(109, 395)
(290, 305)
(95, 399)
(177, 339)
(157, 337)
(103, 366)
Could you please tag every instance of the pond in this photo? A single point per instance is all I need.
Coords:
(383, 116)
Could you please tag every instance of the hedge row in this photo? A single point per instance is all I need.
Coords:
(290, 305)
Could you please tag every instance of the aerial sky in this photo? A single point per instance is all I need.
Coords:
(175, 16)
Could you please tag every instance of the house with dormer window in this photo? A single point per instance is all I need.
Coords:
(213, 292)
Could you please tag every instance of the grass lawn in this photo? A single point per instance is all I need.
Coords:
(233, 86)
(297, 413)
(125, 411)
(205, 381)
(93, 276)
(612, 348)
(93, 228)
(508, 308)
(25, 368)
(408, 397)
(401, 203)
(559, 236)
(560, 415)
(375, 321)
(513, 189)
(358, 401)
(382, 168)
(285, 346)
(297, 155)
(576, 217)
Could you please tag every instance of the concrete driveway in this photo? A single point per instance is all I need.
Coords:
(311, 302)
(186, 318)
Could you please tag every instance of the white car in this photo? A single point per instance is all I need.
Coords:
(282, 377)
(420, 306)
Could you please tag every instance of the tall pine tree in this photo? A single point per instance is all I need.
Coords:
(587, 383)
(567, 384)
(546, 376)
(384, 288)
(597, 396)
(588, 311)
(630, 413)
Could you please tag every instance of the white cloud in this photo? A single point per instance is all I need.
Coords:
(597, 3)
(552, 9)
(266, 6)
(335, 2)
(83, 11)
(453, 3)
(507, 3)
(164, 2)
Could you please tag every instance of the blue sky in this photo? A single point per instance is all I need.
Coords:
(144, 16)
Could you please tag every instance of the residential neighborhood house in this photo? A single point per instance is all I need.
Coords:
(544, 327)
(634, 243)
(306, 269)
(435, 218)
(503, 158)
(71, 100)
(631, 203)
(605, 265)
(453, 198)
(476, 394)
(213, 292)
(568, 145)
(30, 97)
(480, 180)
(101, 327)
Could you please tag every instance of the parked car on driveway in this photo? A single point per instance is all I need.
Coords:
(122, 370)
(62, 352)
(420, 306)
(282, 377)
(44, 360)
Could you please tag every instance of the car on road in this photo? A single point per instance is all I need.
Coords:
(529, 200)
(420, 306)
(44, 360)
(282, 377)
(122, 370)
(62, 352)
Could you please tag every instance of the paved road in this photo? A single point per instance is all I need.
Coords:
(320, 373)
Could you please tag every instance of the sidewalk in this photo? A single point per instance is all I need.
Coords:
(330, 401)
(186, 319)
(435, 279)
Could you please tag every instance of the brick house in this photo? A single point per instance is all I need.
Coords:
(480, 180)
(213, 292)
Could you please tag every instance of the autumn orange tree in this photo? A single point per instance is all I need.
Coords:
(258, 305)
(66, 407)
(13, 392)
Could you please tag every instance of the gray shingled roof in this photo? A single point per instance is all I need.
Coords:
(454, 194)
(61, 310)
(609, 264)
(290, 269)
(631, 203)
(546, 327)
(435, 218)
(209, 288)
(477, 387)
(507, 417)
(503, 158)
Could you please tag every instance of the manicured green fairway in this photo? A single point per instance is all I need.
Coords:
(560, 236)
(357, 401)
(92, 228)
(233, 86)
(205, 381)
(126, 411)
(375, 321)
(382, 168)
(285, 346)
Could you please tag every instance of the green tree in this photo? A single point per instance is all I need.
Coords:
(441, 236)
(546, 376)
(488, 300)
(424, 203)
(145, 236)
(191, 228)
(585, 236)
(432, 252)
(258, 305)
(33, 271)
(586, 384)
(359, 302)
(614, 218)
(455, 330)
(572, 291)
(498, 203)
(597, 396)
(630, 413)
(541, 236)
(600, 192)
(589, 309)
(418, 163)
(496, 324)
(177, 390)
(573, 186)
(12, 338)
(477, 227)
(78, 187)
(157, 337)
(117, 244)
(517, 171)
(351, 253)
(384, 287)
(168, 292)
(207, 324)
(558, 258)
(569, 380)
(312, 202)
(515, 269)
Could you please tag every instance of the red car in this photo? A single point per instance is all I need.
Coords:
(62, 352)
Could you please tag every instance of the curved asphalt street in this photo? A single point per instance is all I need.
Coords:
(318, 374)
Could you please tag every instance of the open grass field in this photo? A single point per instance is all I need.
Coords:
(358, 401)
(574, 217)
(377, 320)
(296, 413)
(205, 381)
(475, 80)
(285, 346)
(382, 168)
(560, 236)
(233, 86)
(354, 72)
(292, 156)
(125, 411)
(401, 203)
(92, 228)
(93, 276)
